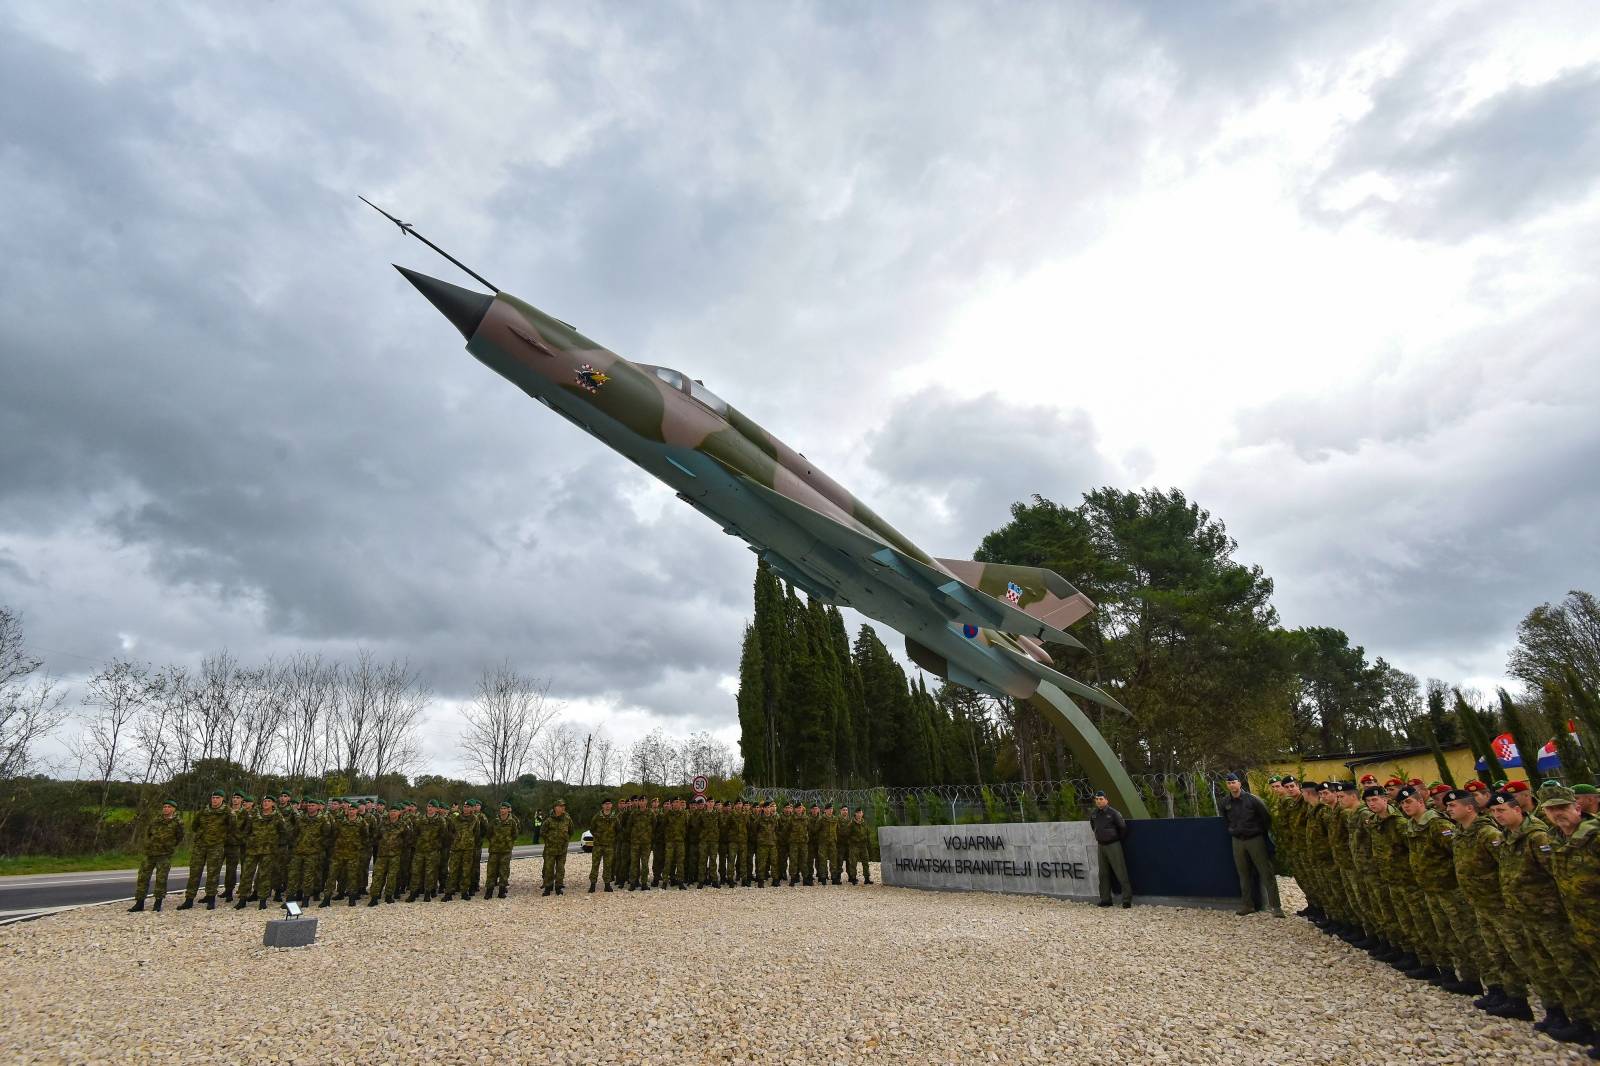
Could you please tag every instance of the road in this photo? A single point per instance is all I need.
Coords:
(33, 895)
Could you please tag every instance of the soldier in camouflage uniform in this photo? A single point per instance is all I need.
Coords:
(449, 818)
(499, 840)
(280, 858)
(1576, 870)
(208, 834)
(557, 834)
(391, 845)
(766, 823)
(263, 833)
(1555, 968)
(348, 856)
(233, 845)
(1433, 863)
(738, 869)
(675, 827)
(709, 829)
(1476, 856)
(463, 850)
(658, 840)
(799, 848)
(602, 837)
(858, 850)
(780, 867)
(641, 838)
(305, 861)
(161, 838)
(480, 833)
(425, 857)
(827, 844)
(408, 849)
(623, 859)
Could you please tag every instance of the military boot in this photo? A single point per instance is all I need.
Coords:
(1510, 1007)
(1574, 1032)
(447, 897)
(546, 891)
(1423, 973)
(412, 898)
(227, 897)
(591, 888)
(1492, 998)
(240, 905)
(867, 880)
(157, 907)
(138, 906)
(187, 904)
(1464, 987)
(211, 903)
(373, 902)
(262, 905)
(327, 901)
(1555, 1017)
(352, 902)
(559, 889)
(503, 891)
(608, 886)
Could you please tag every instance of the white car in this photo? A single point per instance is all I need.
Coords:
(586, 841)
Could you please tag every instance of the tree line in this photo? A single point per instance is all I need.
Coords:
(1185, 636)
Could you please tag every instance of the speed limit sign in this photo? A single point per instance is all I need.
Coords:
(699, 783)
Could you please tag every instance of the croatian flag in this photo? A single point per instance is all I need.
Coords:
(1013, 592)
(1505, 750)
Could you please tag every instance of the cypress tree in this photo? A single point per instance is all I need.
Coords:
(846, 735)
(773, 637)
(1586, 708)
(753, 740)
(1438, 755)
(1526, 740)
(1478, 738)
(1574, 765)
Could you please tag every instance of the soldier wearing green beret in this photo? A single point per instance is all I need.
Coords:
(658, 841)
(481, 829)
(263, 832)
(425, 859)
(233, 846)
(349, 852)
(305, 859)
(557, 834)
(162, 836)
(499, 841)
(392, 834)
(1575, 866)
(602, 836)
(675, 831)
(1556, 969)
(208, 834)
(463, 852)
(1587, 798)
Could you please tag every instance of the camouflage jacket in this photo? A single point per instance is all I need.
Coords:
(674, 824)
(604, 828)
(313, 835)
(350, 838)
(558, 830)
(799, 833)
(658, 827)
(163, 835)
(264, 833)
(641, 829)
(392, 838)
(469, 830)
(209, 827)
(1526, 883)
(860, 836)
(767, 831)
(1577, 874)
(430, 832)
(238, 826)
(502, 835)
(1339, 826)
(827, 832)
(1391, 849)
(1433, 860)
(1475, 850)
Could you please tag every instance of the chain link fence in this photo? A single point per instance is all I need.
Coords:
(1185, 795)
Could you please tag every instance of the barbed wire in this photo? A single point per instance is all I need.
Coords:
(1166, 796)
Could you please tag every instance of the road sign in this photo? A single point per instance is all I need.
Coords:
(699, 783)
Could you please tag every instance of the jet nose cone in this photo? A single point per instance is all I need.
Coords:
(463, 307)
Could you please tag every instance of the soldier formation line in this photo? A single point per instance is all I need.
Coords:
(306, 850)
(1487, 892)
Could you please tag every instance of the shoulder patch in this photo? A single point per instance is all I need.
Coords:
(1544, 847)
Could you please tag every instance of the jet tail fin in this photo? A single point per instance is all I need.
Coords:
(1040, 593)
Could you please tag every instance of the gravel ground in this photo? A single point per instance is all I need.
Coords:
(775, 975)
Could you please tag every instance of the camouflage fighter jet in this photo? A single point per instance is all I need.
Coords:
(977, 624)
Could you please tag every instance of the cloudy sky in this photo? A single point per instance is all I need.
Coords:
(1329, 268)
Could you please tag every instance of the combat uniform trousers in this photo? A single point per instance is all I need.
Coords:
(859, 854)
(499, 872)
(458, 878)
(738, 860)
(280, 870)
(708, 862)
(766, 861)
(304, 877)
(723, 873)
(232, 859)
(1112, 861)
(621, 859)
(1426, 934)
(209, 860)
(799, 864)
(658, 860)
(1497, 939)
(555, 865)
(1572, 978)
(1465, 943)
(372, 859)
(640, 874)
(385, 880)
(158, 866)
(424, 872)
(403, 868)
(254, 874)
(477, 868)
(601, 868)
(673, 873)
(344, 875)
(1252, 863)
(780, 856)
(444, 867)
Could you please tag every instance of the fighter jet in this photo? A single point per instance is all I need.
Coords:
(982, 625)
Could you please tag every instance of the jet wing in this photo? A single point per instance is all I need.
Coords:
(957, 600)
(1060, 680)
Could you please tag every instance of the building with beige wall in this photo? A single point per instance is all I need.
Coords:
(1404, 763)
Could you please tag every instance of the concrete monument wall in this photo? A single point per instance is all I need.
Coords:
(1036, 858)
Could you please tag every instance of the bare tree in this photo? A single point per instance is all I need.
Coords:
(117, 695)
(605, 756)
(308, 685)
(652, 759)
(504, 720)
(263, 705)
(556, 752)
(351, 713)
(402, 700)
(29, 708)
(705, 754)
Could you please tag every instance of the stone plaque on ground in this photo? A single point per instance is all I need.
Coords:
(290, 933)
(1037, 858)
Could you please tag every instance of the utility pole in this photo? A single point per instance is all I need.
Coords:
(583, 779)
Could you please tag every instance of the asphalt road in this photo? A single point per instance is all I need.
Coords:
(32, 895)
